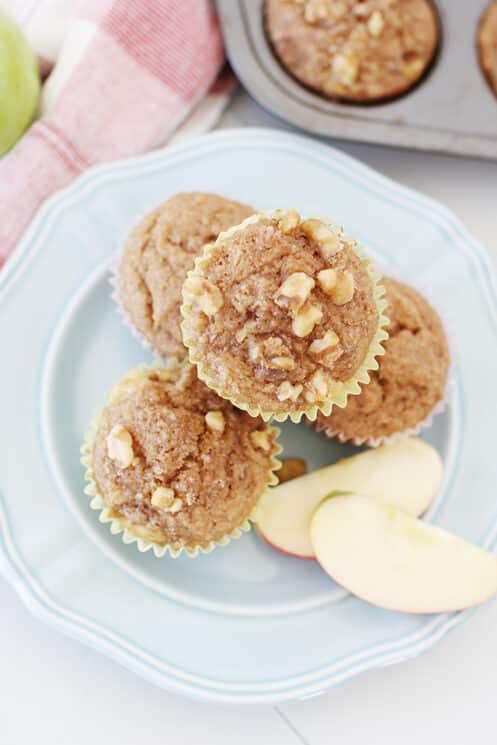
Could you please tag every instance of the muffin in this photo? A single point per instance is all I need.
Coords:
(487, 45)
(282, 316)
(410, 384)
(174, 466)
(354, 50)
(157, 255)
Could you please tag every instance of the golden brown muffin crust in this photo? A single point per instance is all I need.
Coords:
(487, 45)
(353, 50)
(205, 471)
(411, 378)
(159, 252)
(276, 339)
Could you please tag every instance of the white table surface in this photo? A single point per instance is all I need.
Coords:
(53, 690)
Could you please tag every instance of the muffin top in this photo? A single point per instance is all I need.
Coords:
(178, 464)
(157, 255)
(411, 378)
(280, 314)
(487, 44)
(355, 50)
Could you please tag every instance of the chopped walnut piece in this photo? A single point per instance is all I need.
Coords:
(286, 391)
(291, 468)
(215, 421)
(120, 446)
(319, 231)
(204, 293)
(319, 384)
(295, 290)
(327, 349)
(288, 221)
(343, 292)
(315, 10)
(163, 497)
(346, 68)
(328, 341)
(176, 506)
(261, 439)
(376, 23)
(272, 353)
(306, 319)
(282, 363)
(327, 279)
(413, 67)
(241, 334)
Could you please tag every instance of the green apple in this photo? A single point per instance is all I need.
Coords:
(386, 556)
(19, 83)
(407, 473)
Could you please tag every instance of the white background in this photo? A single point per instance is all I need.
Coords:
(53, 690)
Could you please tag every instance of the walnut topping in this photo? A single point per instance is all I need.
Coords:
(306, 319)
(414, 67)
(328, 240)
(346, 68)
(343, 292)
(204, 293)
(291, 468)
(376, 23)
(176, 506)
(261, 439)
(241, 334)
(215, 421)
(319, 384)
(327, 280)
(287, 391)
(315, 11)
(288, 221)
(120, 446)
(296, 288)
(163, 497)
(282, 363)
(328, 341)
(272, 353)
(327, 349)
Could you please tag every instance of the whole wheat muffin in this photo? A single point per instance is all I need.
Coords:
(487, 44)
(176, 465)
(354, 50)
(282, 316)
(157, 255)
(411, 379)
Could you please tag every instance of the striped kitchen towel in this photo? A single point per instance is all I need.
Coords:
(128, 74)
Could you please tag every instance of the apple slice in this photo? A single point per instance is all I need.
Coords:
(386, 556)
(407, 474)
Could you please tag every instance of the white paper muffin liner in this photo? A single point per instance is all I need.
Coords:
(131, 533)
(125, 317)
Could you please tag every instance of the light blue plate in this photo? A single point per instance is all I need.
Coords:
(243, 624)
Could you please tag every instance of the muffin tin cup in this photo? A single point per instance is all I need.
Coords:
(350, 387)
(134, 534)
(451, 110)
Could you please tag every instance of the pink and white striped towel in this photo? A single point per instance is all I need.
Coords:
(129, 72)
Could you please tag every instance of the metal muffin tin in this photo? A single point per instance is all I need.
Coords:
(452, 110)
